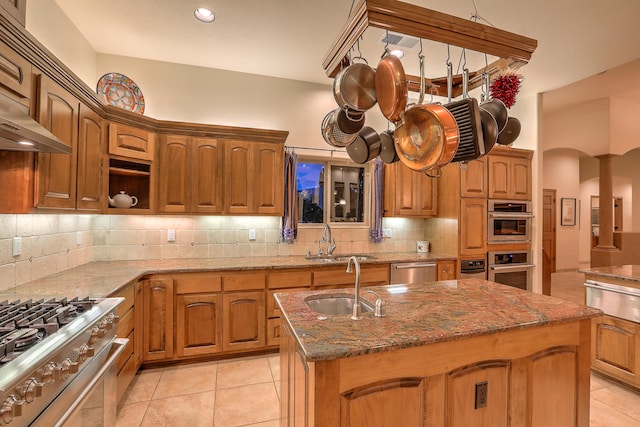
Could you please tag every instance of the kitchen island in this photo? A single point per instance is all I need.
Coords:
(457, 353)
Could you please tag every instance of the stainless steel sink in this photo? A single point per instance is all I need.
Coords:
(338, 258)
(335, 304)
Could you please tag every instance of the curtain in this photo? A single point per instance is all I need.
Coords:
(290, 218)
(375, 232)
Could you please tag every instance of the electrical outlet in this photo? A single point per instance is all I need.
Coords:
(78, 238)
(171, 235)
(252, 234)
(17, 246)
(386, 232)
(482, 389)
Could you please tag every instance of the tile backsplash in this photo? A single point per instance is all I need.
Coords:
(56, 242)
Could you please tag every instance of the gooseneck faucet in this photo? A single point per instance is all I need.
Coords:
(326, 238)
(356, 315)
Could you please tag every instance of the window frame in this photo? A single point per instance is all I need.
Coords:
(328, 162)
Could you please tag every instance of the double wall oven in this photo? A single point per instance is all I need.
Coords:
(57, 362)
(513, 268)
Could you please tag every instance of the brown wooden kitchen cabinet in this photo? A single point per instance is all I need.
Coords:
(59, 113)
(446, 269)
(474, 179)
(131, 142)
(158, 318)
(510, 176)
(473, 227)
(15, 76)
(615, 346)
(283, 281)
(244, 312)
(189, 175)
(17, 9)
(92, 148)
(198, 314)
(254, 178)
(336, 276)
(408, 193)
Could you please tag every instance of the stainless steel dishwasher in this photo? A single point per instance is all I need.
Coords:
(413, 272)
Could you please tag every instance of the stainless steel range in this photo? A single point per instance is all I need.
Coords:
(53, 354)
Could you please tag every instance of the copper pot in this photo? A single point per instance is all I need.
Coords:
(391, 87)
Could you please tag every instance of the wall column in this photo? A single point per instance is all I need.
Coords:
(605, 222)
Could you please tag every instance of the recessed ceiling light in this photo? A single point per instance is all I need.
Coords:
(397, 52)
(205, 15)
(25, 143)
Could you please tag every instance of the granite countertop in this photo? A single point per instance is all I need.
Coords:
(623, 272)
(102, 278)
(422, 314)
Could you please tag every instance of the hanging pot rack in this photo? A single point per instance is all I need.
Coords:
(513, 50)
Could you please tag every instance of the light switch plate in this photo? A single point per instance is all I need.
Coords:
(252, 234)
(78, 238)
(17, 246)
(171, 235)
(386, 232)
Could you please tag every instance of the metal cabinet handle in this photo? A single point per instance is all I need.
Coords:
(510, 267)
(420, 265)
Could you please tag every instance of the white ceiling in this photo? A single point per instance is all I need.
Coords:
(289, 38)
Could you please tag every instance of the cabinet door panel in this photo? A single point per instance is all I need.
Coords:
(614, 348)
(520, 179)
(406, 191)
(174, 174)
(473, 179)
(427, 198)
(244, 320)
(473, 227)
(207, 176)
(91, 148)
(269, 179)
(239, 172)
(57, 172)
(394, 403)
(198, 324)
(158, 319)
(131, 142)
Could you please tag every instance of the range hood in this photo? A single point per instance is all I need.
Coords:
(19, 132)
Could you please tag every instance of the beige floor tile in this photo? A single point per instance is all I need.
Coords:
(142, 386)
(240, 406)
(274, 423)
(131, 415)
(620, 399)
(604, 416)
(192, 410)
(274, 364)
(598, 381)
(187, 379)
(277, 383)
(243, 372)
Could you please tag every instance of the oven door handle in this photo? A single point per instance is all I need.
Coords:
(511, 267)
(601, 287)
(119, 344)
(511, 215)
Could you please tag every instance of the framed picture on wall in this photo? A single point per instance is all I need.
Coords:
(568, 212)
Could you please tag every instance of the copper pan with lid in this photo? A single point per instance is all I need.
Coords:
(391, 87)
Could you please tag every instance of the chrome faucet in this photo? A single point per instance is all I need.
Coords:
(356, 315)
(326, 238)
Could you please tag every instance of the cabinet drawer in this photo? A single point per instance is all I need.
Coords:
(15, 75)
(289, 279)
(198, 283)
(125, 324)
(369, 275)
(272, 307)
(126, 353)
(125, 375)
(129, 298)
(244, 281)
(131, 142)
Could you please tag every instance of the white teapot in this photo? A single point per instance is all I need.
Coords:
(123, 201)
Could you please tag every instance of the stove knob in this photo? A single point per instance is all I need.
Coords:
(101, 332)
(50, 373)
(68, 367)
(31, 390)
(85, 352)
(11, 408)
(94, 335)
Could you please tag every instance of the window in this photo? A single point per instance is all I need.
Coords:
(342, 201)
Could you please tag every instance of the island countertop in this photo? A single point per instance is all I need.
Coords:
(628, 272)
(420, 315)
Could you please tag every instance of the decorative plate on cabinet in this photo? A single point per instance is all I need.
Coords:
(120, 91)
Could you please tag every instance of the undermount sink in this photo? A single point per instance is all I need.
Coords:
(338, 258)
(335, 304)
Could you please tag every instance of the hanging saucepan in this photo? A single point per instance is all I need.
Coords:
(427, 135)
(365, 147)
(489, 129)
(354, 87)
(332, 133)
(467, 114)
(510, 133)
(349, 121)
(391, 87)
(387, 148)
(494, 106)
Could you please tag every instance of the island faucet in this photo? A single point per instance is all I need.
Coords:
(356, 315)
(326, 238)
